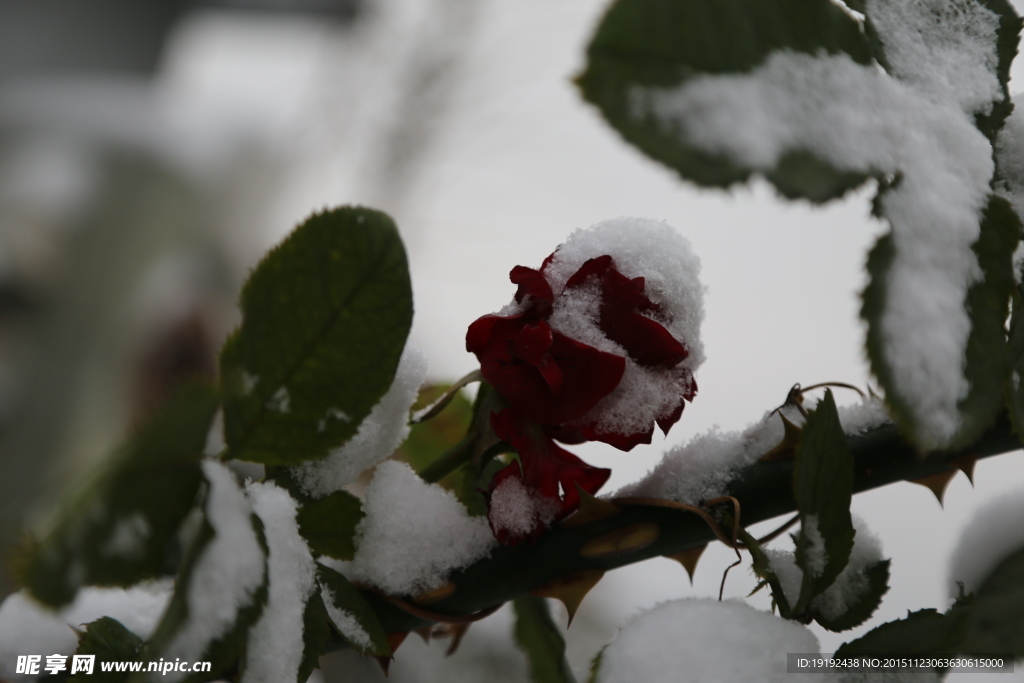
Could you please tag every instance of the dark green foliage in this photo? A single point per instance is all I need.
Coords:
(537, 636)
(329, 524)
(109, 641)
(823, 487)
(325, 319)
(119, 529)
(989, 622)
(662, 43)
(926, 632)
(348, 599)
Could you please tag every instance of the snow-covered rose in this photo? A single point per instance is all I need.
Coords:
(601, 342)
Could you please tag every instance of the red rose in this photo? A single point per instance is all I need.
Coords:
(591, 350)
(556, 380)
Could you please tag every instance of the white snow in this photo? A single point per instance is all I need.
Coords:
(227, 574)
(943, 47)
(27, 627)
(515, 510)
(652, 250)
(274, 652)
(858, 118)
(994, 533)
(414, 534)
(702, 468)
(345, 622)
(129, 536)
(849, 586)
(852, 583)
(281, 401)
(381, 432)
(699, 640)
(816, 555)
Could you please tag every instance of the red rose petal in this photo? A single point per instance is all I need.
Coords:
(548, 471)
(646, 341)
(530, 282)
(532, 343)
(595, 266)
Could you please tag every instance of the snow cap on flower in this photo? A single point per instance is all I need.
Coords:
(602, 341)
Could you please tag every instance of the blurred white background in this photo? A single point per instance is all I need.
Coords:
(132, 204)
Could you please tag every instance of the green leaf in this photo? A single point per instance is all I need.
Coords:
(109, 641)
(352, 615)
(996, 620)
(325, 318)
(926, 632)
(987, 356)
(121, 526)
(663, 43)
(329, 524)
(877, 576)
(823, 487)
(537, 636)
(316, 631)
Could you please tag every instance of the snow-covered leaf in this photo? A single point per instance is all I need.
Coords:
(352, 615)
(665, 43)
(1015, 346)
(221, 587)
(109, 641)
(538, 637)
(986, 365)
(329, 524)
(996, 620)
(316, 631)
(877, 576)
(118, 529)
(823, 487)
(325, 318)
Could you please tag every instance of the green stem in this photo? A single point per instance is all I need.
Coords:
(457, 455)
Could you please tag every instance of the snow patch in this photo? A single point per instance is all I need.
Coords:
(702, 468)
(514, 510)
(860, 119)
(281, 401)
(993, 534)
(946, 48)
(852, 584)
(275, 641)
(26, 627)
(816, 555)
(414, 534)
(129, 537)
(706, 640)
(645, 248)
(227, 574)
(383, 431)
(849, 587)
